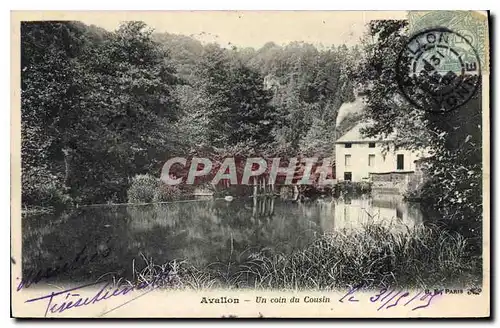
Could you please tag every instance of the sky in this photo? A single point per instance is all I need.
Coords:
(250, 28)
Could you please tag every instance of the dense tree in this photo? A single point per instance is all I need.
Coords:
(52, 84)
(230, 105)
(183, 51)
(96, 110)
(99, 107)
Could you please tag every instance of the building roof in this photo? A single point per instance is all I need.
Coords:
(354, 135)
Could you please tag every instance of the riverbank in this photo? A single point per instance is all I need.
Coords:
(424, 257)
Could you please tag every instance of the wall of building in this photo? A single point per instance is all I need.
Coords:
(359, 167)
(391, 182)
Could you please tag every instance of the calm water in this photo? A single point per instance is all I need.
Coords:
(203, 232)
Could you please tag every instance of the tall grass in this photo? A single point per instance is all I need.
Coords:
(422, 257)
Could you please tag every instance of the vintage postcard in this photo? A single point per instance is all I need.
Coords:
(243, 164)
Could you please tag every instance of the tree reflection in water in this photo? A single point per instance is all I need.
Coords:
(203, 232)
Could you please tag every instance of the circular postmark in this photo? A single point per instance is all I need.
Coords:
(438, 70)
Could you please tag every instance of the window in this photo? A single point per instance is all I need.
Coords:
(371, 160)
(347, 176)
(347, 160)
(371, 145)
(400, 162)
(348, 145)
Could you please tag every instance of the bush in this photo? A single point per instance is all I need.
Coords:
(166, 192)
(142, 189)
(147, 189)
(46, 194)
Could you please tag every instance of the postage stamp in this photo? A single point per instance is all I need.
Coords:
(436, 74)
(468, 26)
(244, 164)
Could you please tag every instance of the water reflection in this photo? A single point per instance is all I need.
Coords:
(203, 232)
(389, 211)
